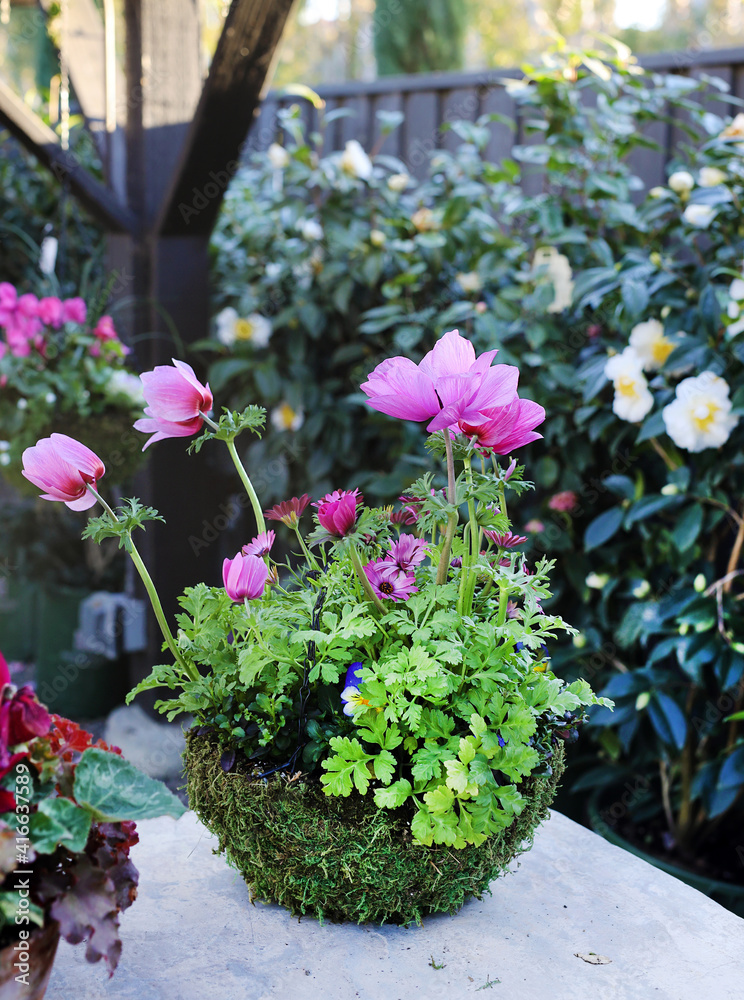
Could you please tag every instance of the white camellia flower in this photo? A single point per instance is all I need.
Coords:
(633, 398)
(736, 129)
(272, 270)
(256, 329)
(652, 347)
(377, 238)
(469, 281)
(681, 182)
(699, 216)
(700, 416)
(559, 273)
(736, 291)
(711, 177)
(286, 418)
(398, 182)
(658, 192)
(355, 162)
(310, 229)
(278, 156)
(127, 385)
(597, 581)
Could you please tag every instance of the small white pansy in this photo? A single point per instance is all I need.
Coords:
(22, 403)
(700, 415)
(711, 177)
(649, 343)
(4, 446)
(285, 418)
(699, 216)
(469, 281)
(355, 162)
(50, 398)
(597, 581)
(278, 156)
(681, 182)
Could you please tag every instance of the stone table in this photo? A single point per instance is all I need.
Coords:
(194, 935)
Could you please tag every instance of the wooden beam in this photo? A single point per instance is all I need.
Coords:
(224, 116)
(42, 142)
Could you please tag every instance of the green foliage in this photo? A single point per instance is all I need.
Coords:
(420, 36)
(111, 789)
(130, 514)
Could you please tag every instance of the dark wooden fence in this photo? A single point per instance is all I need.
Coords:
(428, 101)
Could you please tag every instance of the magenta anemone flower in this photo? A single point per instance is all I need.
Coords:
(260, 545)
(505, 541)
(244, 577)
(507, 427)
(8, 302)
(288, 512)
(389, 584)
(450, 384)
(337, 511)
(405, 554)
(176, 402)
(63, 467)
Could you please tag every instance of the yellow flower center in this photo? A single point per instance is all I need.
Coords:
(704, 415)
(286, 416)
(626, 386)
(661, 349)
(243, 329)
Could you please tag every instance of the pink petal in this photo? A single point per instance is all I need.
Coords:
(452, 354)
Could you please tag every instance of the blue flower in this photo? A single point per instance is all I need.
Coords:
(500, 738)
(350, 694)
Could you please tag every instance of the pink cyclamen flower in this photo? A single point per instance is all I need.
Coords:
(244, 577)
(337, 511)
(405, 554)
(507, 427)
(449, 384)
(63, 467)
(50, 311)
(74, 310)
(390, 584)
(261, 545)
(565, 501)
(505, 541)
(176, 401)
(288, 512)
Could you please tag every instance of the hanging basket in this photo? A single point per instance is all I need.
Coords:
(343, 859)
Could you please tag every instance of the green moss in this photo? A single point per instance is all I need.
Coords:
(344, 859)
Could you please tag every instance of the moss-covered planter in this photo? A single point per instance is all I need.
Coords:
(345, 859)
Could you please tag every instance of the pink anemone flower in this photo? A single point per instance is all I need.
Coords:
(244, 577)
(176, 402)
(50, 311)
(448, 385)
(74, 310)
(64, 468)
(337, 511)
(507, 427)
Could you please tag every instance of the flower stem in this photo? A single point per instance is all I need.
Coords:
(152, 593)
(450, 467)
(258, 513)
(364, 579)
(444, 559)
(311, 560)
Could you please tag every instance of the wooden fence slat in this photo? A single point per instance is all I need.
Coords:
(496, 101)
(392, 145)
(421, 130)
(459, 105)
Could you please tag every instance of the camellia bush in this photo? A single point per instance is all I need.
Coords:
(622, 308)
